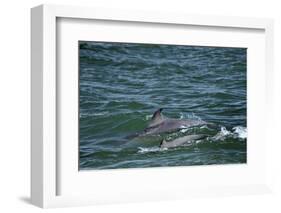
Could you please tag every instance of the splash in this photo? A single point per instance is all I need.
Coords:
(224, 131)
(238, 132)
(144, 150)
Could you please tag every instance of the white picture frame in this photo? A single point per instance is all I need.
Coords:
(46, 167)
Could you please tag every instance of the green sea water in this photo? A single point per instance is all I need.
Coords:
(122, 84)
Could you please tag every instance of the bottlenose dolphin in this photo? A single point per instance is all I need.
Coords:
(180, 141)
(161, 124)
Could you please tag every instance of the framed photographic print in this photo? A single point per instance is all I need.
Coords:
(202, 88)
(130, 106)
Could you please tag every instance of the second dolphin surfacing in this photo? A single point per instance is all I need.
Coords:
(180, 141)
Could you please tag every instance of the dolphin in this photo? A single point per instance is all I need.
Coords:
(160, 124)
(180, 141)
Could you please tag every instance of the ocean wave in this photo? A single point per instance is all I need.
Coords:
(189, 116)
(83, 115)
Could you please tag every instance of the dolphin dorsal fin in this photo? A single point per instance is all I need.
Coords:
(157, 114)
(156, 118)
(163, 143)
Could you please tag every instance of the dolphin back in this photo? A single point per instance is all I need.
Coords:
(180, 141)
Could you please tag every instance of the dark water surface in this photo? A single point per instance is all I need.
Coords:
(121, 85)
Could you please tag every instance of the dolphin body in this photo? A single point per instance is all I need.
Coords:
(160, 124)
(180, 141)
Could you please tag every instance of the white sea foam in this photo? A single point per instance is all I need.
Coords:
(221, 135)
(240, 131)
(224, 131)
(181, 115)
(150, 149)
(204, 127)
(184, 130)
(148, 117)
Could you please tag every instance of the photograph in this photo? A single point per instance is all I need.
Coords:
(145, 105)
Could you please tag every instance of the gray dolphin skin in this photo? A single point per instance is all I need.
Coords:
(180, 141)
(160, 124)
